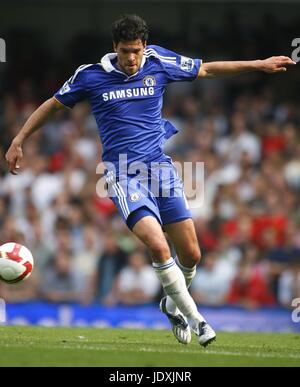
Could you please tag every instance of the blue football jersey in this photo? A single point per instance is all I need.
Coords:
(128, 108)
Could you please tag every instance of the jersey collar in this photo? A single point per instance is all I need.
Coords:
(109, 67)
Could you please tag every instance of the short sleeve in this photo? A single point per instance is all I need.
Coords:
(176, 67)
(74, 89)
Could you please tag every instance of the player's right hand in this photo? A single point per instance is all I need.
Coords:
(13, 157)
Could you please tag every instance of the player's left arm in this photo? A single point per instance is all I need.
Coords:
(274, 64)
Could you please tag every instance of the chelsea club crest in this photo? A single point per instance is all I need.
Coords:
(135, 197)
(149, 81)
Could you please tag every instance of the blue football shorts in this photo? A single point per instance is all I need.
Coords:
(157, 191)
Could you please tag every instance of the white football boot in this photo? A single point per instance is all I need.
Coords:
(180, 327)
(205, 333)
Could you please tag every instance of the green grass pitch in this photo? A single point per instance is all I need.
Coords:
(37, 346)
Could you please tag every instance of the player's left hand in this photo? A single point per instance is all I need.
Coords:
(276, 64)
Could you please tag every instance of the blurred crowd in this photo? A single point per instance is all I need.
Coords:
(248, 225)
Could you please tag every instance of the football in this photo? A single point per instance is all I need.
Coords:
(16, 263)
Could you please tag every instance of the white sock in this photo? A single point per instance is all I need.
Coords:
(189, 274)
(173, 282)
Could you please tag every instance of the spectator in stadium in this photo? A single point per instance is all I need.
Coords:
(111, 261)
(136, 282)
(211, 282)
(59, 282)
(85, 262)
(289, 283)
(249, 288)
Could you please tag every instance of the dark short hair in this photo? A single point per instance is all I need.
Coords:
(129, 27)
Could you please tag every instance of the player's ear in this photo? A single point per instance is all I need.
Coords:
(115, 47)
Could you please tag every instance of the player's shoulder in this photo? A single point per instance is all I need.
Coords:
(85, 70)
(162, 56)
(159, 52)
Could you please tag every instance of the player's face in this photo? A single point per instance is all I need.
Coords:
(130, 55)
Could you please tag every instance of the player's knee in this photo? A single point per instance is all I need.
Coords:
(194, 256)
(160, 250)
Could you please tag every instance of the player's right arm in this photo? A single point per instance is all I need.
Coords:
(35, 121)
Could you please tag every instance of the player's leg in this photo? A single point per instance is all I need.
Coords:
(149, 231)
(183, 235)
(184, 238)
(143, 219)
(173, 209)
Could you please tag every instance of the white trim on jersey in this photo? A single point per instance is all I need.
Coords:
(80, 68)
(151, 50)
(65, 87)
(167, 59)
(106, 62)
(162, 60)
